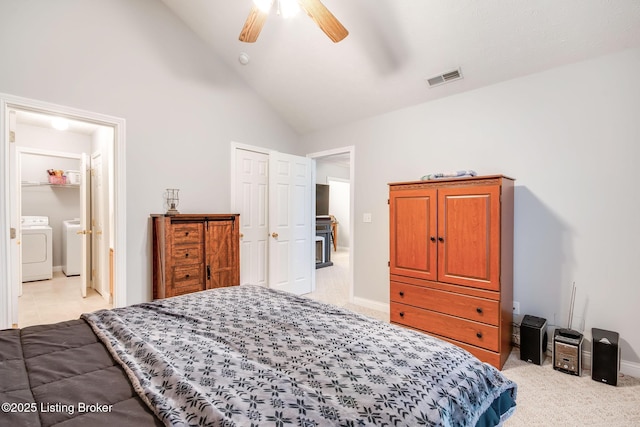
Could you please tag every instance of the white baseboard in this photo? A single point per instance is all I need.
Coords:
(373, 305)
(630, 368)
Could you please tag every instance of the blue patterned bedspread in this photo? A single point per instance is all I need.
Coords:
(250, 356)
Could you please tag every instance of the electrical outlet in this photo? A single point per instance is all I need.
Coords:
(516, 307)
(366, 217)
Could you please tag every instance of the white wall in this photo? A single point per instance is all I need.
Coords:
(136, 60)
(571, 138)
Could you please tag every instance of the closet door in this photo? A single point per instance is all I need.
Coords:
(272, 193)
(252, 199)
(292, 242)
(469, 236)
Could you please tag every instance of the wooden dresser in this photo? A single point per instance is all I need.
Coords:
(194, 252)
(451, 261)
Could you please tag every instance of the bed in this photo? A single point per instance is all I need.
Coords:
(242, 356)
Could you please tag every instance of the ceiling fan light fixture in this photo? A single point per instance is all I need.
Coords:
(263, 5)
(288, 8)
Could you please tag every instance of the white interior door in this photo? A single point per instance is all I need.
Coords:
(85, 218)
(252, 201)
(291, 243)
(98, 252)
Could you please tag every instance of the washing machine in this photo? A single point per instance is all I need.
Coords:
(71, 247)
(37, 248)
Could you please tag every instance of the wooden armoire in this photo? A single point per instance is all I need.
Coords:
(451, 261)
(194, 252)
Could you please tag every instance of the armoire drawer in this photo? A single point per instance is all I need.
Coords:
(474, 333)
(188, 275)
(187, 233)
(187, 254)
(459, 305)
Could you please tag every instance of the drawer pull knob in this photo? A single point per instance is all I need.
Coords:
(186, 276)
(479, 334)
(186, 233)
(433, 239)
(401, 314)
(479, 310)
(186, 255)
(441, 239)
(402, 294)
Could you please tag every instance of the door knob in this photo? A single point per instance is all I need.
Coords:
(274, 235)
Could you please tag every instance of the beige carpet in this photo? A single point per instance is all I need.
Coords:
(547, 397)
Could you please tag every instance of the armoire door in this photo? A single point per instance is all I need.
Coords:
(221, 240)
(469, 236)
(413, 233)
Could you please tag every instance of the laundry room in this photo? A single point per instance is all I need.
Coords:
(50, 187)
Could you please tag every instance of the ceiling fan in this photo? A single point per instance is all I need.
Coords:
(328, 23)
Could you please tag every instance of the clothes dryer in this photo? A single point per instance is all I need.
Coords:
(37, 248)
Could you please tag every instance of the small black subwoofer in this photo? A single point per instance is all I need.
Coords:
(533, 339)
(605, 356)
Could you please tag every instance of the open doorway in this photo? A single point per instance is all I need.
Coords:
(335, 170)
(61, 185)
(64, 205)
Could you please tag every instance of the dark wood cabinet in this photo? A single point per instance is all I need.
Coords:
(194, 252)
(451, 261)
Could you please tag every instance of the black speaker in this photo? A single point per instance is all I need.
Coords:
(605, 356)
(533, 339)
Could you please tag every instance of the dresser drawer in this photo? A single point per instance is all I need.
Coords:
(467, 331)
(186, 233)
(459, 305)
(187, 254)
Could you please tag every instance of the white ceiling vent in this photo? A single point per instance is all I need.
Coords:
(444, 78)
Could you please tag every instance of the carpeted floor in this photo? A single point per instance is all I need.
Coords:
(546, 397)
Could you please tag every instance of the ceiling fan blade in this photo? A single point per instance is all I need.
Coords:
(325, 19)
(253, 25)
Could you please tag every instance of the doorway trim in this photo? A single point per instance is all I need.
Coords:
(7, 102)
(351, 150)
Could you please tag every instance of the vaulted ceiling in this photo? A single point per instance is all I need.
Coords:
(394, 45)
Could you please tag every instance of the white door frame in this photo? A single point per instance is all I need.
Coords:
(9, 317)
(351, 150)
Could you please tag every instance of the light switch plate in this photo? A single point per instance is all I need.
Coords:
(366, 217)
